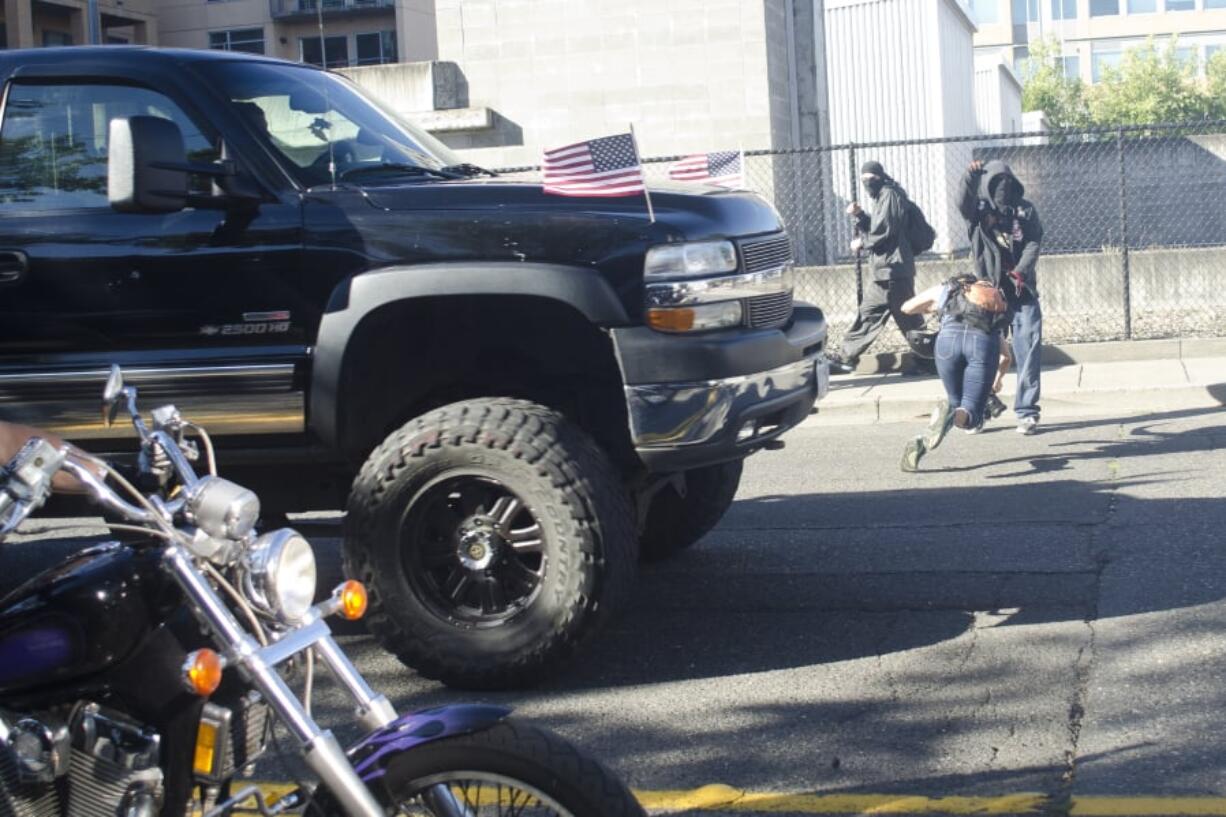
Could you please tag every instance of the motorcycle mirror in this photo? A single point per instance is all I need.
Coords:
(110, 395)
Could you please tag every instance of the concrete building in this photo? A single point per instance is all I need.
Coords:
(690, 74)
(41, 23)
(1096, 33)
(998, 96)
(356, 32)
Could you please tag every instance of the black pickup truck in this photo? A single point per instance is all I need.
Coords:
(515, 395)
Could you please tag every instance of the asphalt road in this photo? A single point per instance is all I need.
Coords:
(1028, 615)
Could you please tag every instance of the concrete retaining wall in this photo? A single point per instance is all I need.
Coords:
(1180, 292)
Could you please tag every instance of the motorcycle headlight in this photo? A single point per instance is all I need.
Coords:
(281, 571)
(690, 260)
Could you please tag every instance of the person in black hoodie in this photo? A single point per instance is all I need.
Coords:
(883, 234)
(1006, 234)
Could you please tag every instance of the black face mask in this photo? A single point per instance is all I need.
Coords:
(1006, 196)
(873, 186)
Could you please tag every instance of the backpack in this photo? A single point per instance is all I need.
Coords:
(920, 234)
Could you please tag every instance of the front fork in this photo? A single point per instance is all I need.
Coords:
(320, 749)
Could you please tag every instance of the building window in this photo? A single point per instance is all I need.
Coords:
(376, 47)
(1210, 50)
(54, 38)
(337, 49)
(1025, 11)
(1072, 66)
(1104, 8)
(249, 40)
(1215, 4)
(985, 12)
(1142, 6)
(1181, 5)
(1105, 59)
(1064, 9)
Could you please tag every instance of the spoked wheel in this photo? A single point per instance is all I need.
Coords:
(473, 550)
(509, 770)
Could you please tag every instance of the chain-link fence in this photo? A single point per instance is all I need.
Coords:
(1134, 222)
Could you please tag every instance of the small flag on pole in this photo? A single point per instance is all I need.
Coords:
(608, 166)
(723, 167)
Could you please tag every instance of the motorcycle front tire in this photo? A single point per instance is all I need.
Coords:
(509, 768)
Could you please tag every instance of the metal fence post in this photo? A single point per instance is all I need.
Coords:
(1126, 269)
(854, 177)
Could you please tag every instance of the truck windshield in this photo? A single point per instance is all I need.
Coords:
(325, 127)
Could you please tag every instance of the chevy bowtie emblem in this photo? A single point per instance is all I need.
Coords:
(210, 330)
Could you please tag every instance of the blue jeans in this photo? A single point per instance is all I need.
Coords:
(966, 360)
(1027, 339)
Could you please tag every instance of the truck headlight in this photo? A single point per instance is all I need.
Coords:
(281, 574)
(690, 260)
(696, 318)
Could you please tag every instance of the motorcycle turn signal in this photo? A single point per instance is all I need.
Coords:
(202, 672)
(353, 600)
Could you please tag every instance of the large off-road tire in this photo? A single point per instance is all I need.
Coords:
(674, 522)
(494, 536)
(511, 768)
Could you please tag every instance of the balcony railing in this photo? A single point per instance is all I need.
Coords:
(309, 8)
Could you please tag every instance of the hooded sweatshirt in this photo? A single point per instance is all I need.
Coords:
(884, 232)
(1006, 253)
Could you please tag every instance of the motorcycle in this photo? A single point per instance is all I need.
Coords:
(146, 677)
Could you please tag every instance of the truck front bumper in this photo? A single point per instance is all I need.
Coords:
(764, 383)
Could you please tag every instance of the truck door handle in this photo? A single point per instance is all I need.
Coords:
(13, 267)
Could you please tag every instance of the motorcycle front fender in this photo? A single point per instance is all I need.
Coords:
(370, 755)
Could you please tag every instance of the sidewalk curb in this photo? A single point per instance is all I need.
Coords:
(1066, 354)
(881, 409)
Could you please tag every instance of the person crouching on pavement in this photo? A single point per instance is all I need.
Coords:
(1005, 234)
(972, 313)
(883, 234)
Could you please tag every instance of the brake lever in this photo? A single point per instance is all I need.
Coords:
(25, 483)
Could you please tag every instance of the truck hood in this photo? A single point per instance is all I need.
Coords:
(682, 212)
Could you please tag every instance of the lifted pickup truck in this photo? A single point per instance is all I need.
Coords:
(514, 394)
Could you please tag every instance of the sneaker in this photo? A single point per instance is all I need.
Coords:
(975, 430)
(840, 366)
(938, 425)
(911, 455)
(995, 407)
(1028, 425)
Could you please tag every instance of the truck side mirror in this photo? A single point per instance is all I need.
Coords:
(146, 161)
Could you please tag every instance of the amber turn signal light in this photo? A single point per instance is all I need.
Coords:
(671, 320)
(202, 672)
(353, 600)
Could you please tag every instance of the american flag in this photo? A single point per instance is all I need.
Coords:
(608, 166)
(723, 167)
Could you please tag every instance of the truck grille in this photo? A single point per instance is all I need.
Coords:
(766, 311)
(766, 253)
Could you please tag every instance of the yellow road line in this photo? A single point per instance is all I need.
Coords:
(719, 797)
(1148, 806)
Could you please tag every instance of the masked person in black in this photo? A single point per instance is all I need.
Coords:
(883, 234)
(1005, 234)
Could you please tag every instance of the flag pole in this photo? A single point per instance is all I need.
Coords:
(651, 213)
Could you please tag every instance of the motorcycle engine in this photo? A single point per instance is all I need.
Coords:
(110, 764)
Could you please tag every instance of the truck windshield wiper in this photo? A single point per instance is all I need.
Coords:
(401, 168)
(468, 169)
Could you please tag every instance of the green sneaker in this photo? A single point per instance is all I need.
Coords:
(938, 426)
(912, 453)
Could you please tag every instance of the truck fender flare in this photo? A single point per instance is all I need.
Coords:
(353, 300)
